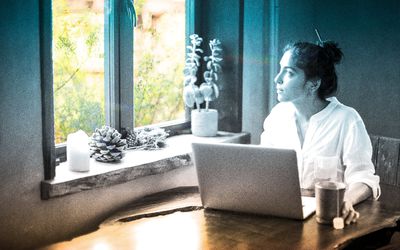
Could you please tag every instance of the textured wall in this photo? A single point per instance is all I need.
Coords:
(368, 32)
(369, 75)
(256, 61)
(223, 19)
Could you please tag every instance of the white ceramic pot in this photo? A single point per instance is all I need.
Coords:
(204, 123)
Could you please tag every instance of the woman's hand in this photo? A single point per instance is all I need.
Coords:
(348, 213)
(356, 193)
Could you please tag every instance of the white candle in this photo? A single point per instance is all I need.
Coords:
(78, 151)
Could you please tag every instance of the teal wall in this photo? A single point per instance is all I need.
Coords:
(369, 78)
(369, 33)
(257, 60)
(223, 19)
(369, 75)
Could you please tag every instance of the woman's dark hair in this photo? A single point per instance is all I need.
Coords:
(318, 62)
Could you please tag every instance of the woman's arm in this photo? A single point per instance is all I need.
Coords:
(357, 154)
(356, 193)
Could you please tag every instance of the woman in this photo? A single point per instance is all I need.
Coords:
(330, 138)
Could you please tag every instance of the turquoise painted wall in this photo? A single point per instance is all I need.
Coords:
(369, 34)
(257, 61)
(369, 75)
(223, 19)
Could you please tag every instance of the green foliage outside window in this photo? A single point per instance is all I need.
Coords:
(158, 96)
(78, 90)
(78, 65)
(158, 65)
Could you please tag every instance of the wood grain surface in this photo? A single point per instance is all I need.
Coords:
(176, 220)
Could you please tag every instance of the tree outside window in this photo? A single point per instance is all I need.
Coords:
(78, 63)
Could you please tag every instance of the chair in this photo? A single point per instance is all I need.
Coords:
(386, 158)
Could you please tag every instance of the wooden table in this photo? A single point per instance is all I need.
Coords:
(176, 220)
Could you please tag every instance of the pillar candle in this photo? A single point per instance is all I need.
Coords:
(78, 151)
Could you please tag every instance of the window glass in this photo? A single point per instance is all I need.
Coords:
(78, 66)
(159, 56)
(78, 63)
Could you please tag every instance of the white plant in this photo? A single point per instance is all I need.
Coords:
(208, 90)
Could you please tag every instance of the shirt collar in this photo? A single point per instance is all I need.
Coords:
(333, 102)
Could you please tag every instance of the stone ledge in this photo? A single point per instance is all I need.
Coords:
(136, 164)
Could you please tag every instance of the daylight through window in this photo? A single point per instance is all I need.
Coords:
(80, 60)
(78, 66)
(159, 56)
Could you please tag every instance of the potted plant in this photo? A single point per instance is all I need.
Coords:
(204, 121)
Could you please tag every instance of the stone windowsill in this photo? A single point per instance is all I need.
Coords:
(135, 164)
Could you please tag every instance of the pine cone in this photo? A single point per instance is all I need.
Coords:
(131, 138)
(106, 145)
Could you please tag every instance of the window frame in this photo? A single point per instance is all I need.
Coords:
(46, 75)
(118, 78)
(118, 73)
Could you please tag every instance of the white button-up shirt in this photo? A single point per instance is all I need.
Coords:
(336, 145)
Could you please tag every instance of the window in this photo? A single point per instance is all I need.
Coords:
(92, 62)
(78, 66)
(95, 82)
(159, 60)
(118, 64)
(98, 78)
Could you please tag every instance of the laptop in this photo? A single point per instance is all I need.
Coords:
(250, 179)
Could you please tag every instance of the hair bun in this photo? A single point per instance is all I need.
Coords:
(332, 51)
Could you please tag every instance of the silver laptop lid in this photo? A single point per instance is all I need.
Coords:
(248, 178)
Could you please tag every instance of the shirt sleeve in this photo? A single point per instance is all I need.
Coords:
(357, 154)
(267, 135)
(271, 126)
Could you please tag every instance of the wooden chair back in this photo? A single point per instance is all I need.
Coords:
(386, 158)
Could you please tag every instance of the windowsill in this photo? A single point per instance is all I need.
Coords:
(135, 164)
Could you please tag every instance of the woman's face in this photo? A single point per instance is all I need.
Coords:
(290, 81)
